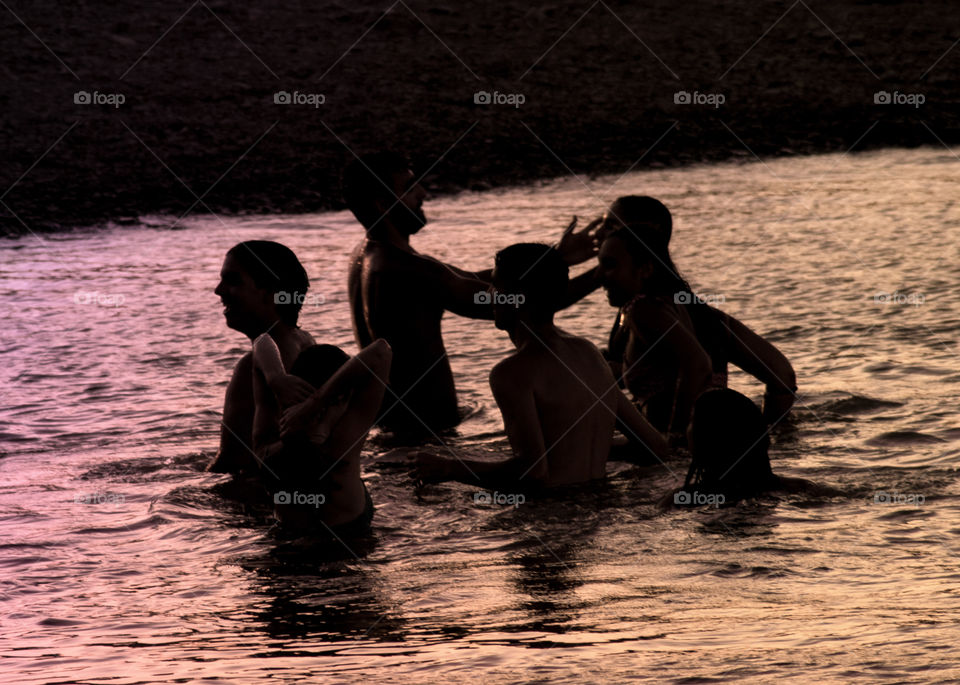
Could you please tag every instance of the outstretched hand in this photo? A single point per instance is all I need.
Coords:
(581, 246)
(291, 390)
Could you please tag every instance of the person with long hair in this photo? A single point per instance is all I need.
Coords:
(667, 346)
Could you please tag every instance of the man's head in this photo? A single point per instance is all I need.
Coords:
(381, 188)
(530, 282)
(644, 215)
(261, 282)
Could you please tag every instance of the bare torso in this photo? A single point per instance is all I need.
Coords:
(390, 298)
(576, 399)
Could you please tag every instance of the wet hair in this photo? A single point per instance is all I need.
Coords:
(369, 178)
(642, 211)
(275, 268)
(731, 445)
(536, 271)
(317, 363)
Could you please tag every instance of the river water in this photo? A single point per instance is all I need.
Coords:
(121, 561)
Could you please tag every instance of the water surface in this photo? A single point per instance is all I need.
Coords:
(122, 562)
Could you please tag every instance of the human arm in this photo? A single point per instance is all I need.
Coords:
(363, 374)
(642, 436)
(267, 361)
(762, 360)
(235, 453)
(527, 465)
(651, 319)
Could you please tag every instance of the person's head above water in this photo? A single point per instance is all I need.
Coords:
(261, 282)
(317, 363)
(530, 282)
(730, 442)
(643, 214)
(634, 260)
(380, 188)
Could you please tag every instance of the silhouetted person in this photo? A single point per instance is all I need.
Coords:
(729, 440)
(259, 286)
(310, 449)
(557, 395)
(400, 295)
(667, 346)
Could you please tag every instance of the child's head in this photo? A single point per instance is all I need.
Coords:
(318, 363)
(729, 440)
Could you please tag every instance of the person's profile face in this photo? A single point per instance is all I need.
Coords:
(620, 277)
(245, 306)
(406, 212)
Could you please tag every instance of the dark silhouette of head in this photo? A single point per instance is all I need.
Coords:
(261, 282)
(317, 363)
(530, 282)
(643, 214)
(730, 442)
(381, 187)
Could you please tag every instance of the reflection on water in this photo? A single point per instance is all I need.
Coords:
(123, 562)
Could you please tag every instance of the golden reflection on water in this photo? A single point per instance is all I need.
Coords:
(122, 561)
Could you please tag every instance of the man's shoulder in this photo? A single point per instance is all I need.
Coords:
(244, 364)
(510, 372)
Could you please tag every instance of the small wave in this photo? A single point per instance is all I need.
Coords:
(858, 404)
(149, 522)
(904, 438)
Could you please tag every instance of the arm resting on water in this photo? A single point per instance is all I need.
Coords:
(527, 466)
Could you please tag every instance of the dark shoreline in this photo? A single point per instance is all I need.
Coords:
(199, 111)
